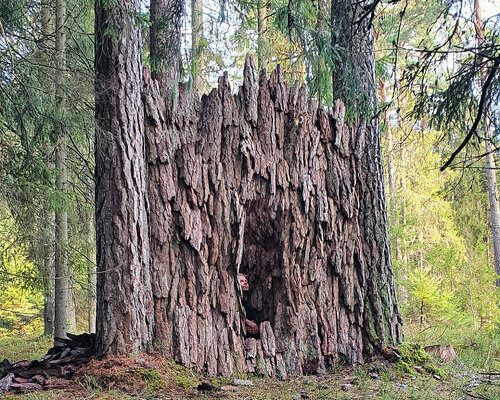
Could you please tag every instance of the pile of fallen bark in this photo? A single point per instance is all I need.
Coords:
(52, 371)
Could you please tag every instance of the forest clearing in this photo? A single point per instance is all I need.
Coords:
(269, 199)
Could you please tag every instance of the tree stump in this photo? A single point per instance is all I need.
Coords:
(263, 182)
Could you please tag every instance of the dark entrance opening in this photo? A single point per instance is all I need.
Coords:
(262, 262)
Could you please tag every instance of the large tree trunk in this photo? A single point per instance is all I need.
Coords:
(124, 309)
(63, 287)
(264, 183)
(491, 176)
(354, 84)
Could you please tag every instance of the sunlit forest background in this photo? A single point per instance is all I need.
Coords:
(439, 221)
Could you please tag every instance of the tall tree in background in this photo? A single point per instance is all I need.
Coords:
(48, 215)
(165, 44)
(447, 94)
(489, 147)
(263, 43)
(91, 273)
(63, 294)
(124, 308)
(197, 44)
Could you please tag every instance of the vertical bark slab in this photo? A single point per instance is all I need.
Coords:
(124, 309)
(264, 183)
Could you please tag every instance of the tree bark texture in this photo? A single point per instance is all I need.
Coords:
(263, 182)
(124, 309)
(491, 176)
(63, 322)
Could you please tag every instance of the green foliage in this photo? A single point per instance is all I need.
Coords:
(27, 175)
(28, 346)
(20, 299)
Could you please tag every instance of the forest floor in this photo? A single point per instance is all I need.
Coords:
(149, 378)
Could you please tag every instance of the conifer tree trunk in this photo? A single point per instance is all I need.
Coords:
(48, 258)
(124, 307)
(48, 216)
(378, 322)
(91, 274)
(262, 40)
(165, 44)
(491, 176)
(196, 39)
(63, 295)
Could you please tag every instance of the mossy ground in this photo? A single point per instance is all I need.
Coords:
(151, 378)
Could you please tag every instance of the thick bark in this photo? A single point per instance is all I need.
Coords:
(490, 157)
(354, 84)
(353, 39)
(165, 44)
(263, 182)
(124, 309)
(63, 288)
(196, 43)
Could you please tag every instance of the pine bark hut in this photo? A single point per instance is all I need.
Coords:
(262, 182)
(265, 183)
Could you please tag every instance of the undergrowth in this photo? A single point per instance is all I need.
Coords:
(148, 378)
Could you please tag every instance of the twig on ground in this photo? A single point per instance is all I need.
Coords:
(475, 395)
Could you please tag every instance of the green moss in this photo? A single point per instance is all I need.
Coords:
(412, 354)
(404, 367)
(434, 370)
(185, 382)
(150, 374)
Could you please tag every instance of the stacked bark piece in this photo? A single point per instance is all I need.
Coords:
(52, 371)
